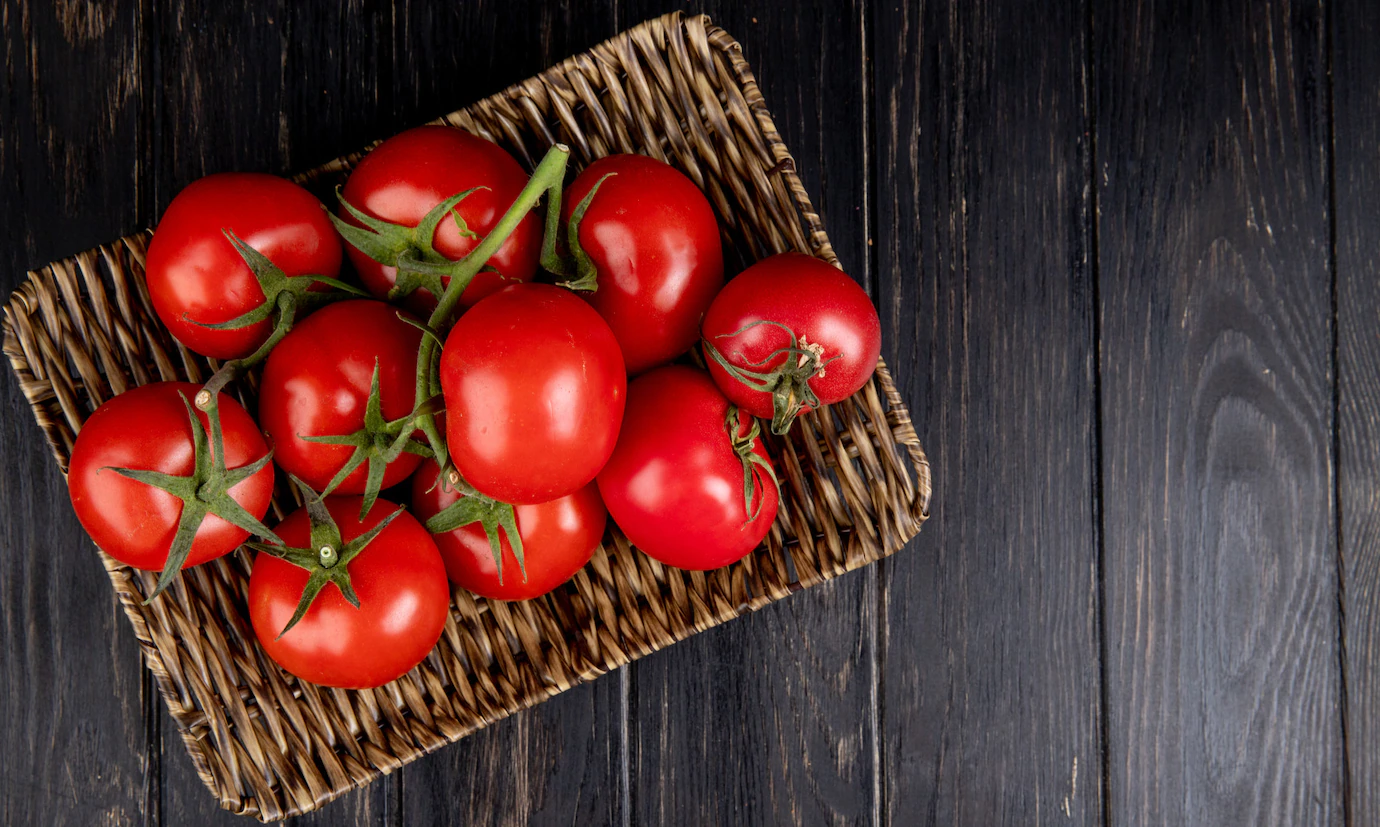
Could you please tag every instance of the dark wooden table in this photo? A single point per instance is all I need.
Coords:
(1126, 260)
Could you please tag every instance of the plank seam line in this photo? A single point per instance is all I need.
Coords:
(1331, 161)
(870, 276)
(624, 746)
(1094, 252)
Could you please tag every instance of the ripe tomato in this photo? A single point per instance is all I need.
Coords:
(558, 538)
(316, 383)
(655, 243)
(675, 482)
(196, 277)
(534, 387)
(827, 312)
(404, 177)
(148, 428)
(403, 601)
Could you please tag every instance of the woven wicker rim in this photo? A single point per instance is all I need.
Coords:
(855, 480)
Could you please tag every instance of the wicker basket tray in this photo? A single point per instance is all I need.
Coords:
(855, 482)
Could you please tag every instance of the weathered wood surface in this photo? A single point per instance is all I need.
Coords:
(1211, 172)
(1125, 257)
(76, 701)
(1356, 164)
(990, 715)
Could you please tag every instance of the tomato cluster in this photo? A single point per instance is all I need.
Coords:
(475, 357)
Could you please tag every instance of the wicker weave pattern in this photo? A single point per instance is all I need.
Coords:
(855, 482)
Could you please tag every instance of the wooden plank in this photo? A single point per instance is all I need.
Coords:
(71, 150)
(219, 105)
(557, 763)
(447, 55)
(990, 695)
(770, 719)
(1223, 687)
(560, 762)
(1356, 134)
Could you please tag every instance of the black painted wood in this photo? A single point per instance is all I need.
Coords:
(1356, 133)
(989, 699)
(74, 697)
(1223, 681)
(1075, 222)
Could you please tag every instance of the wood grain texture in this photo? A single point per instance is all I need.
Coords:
(561, 762)
(965, 157)
(1222, 630)
(557, 763)
(990, 708)
(72, 710)
(447, 55)
(771, 719)
(1356, 161)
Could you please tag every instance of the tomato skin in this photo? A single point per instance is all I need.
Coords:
(194, 273)
(534, 387)
(818, 302)
(558, 538)
(403, 601)
(655, 242)
(316, 383)
(674, 484)
(404, 177)
(147, 428)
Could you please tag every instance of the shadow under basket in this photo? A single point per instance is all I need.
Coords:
(855, 484)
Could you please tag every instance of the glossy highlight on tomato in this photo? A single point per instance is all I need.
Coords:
(654, 240)
(674, 483)
(534, 388)
(196, 277)
(403, 601)
(147, 428)
(404, 177)
(558, 538)
(316, 383)
(825, 309)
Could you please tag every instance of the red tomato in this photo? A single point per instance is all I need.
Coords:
(404, 177)
(653, 238)
(534, 387)
(195, 275)
(675, 484)
(826, 310)
(403, 601)
(147, 428)
(558, 538)
(316, 383)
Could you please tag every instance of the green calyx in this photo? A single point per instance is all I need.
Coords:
(743, 444)
(410, 249)
(576, 262)
(205, 491)
(788, 383)
(328, 559)
(491, 515)
(284, 297)
(378, 443)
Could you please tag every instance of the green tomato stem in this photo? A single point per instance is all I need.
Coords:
(285, 314)
(547, 179)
